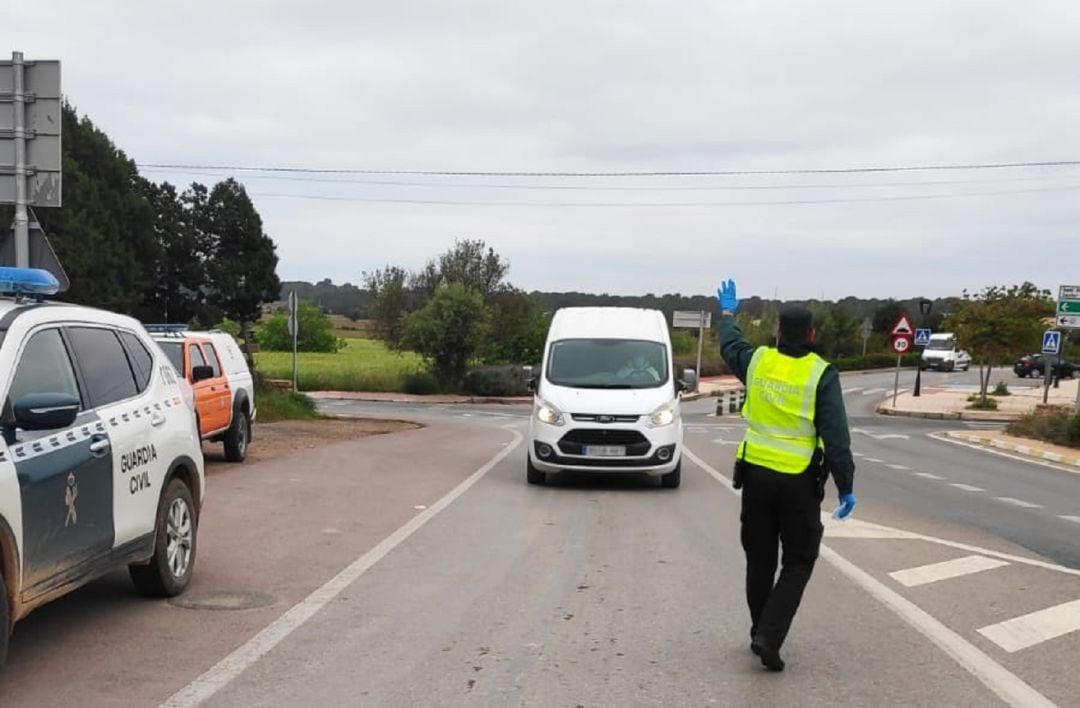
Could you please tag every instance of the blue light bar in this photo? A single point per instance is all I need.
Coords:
(28, 281)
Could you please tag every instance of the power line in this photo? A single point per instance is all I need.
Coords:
(840, 200)
(685, 173)
(626, 188)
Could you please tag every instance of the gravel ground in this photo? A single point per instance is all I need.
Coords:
(288, 436)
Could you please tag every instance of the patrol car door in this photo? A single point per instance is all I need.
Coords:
(65, 476)
(117, 388)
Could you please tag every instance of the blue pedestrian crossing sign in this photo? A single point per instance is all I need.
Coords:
(1051, 342)
(922, 337)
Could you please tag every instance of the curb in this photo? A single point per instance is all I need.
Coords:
(1023, 450)
(981, 416)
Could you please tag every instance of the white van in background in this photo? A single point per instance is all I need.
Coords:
(943, 354)
(606, 398)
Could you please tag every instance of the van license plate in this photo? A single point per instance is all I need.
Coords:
(604, 450)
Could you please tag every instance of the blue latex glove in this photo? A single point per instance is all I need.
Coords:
(726, 295)
(847, 504)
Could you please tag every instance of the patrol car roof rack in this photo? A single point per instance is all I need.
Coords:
(166, 328)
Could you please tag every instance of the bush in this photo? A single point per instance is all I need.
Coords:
(508, 380)
(980, 404)
(874, 361)
(276, 404)
(1053, 424)
(315, 334)
(420, 383)
(1000, 390)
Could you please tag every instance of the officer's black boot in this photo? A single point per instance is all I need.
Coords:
(770, 658)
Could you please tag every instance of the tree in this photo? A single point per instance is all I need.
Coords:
(999, 323)
(241, 259)
(314, 335)
(389, 302)
(180, 281)
(518, 329)
(449, 330)
(886, 315)
(466, 263)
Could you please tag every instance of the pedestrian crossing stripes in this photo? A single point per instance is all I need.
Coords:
(1035, 628)
(955, 568)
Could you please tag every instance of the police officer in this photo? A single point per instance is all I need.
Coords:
(797, 432)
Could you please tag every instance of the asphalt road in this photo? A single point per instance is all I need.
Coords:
(420, 569)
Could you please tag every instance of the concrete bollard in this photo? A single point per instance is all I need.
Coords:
(730, 402)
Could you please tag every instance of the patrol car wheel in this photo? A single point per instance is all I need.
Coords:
(3, 620)
(672, 479)
(237, 437)
(169, 571)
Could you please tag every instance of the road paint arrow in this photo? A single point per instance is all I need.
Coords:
(881, 436)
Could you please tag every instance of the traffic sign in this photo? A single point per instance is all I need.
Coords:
(902, 326)
(922, 337)
(693, 319)
(1051, 342)
(1069, 292)
(1068, 307)
(34, 115)
(1068, 321)
(901, 343)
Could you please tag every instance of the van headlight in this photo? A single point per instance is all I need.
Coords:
(547, 413)
(662, 416)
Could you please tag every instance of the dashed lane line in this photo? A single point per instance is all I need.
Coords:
(1019, 502)
(1035, 628)
(225, 671)
(874, 459)
(966, 487)
(898, 467)
(946, 570)
(1074, 519)
(1005, 684)
(928, 475)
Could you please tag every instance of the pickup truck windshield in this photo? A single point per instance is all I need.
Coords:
(607, 363)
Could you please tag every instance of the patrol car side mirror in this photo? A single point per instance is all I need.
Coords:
(46, 411)
(201, 373)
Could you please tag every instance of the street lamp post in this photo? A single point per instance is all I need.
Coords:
(924, 310)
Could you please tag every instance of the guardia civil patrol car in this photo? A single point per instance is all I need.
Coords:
(100, 459)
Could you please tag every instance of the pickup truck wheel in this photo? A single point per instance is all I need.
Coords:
(169, 570)
(237, 437)
(533, 475)
(672, 479)
(4, 629)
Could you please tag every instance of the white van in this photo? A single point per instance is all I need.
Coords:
(943, 354)
(606, 398)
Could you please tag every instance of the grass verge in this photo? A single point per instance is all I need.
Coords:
(363, 365)
(1052, 424)
(275, 404)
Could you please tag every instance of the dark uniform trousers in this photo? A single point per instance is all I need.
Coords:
(778, 510)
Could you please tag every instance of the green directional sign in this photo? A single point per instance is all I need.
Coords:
(1069, 307)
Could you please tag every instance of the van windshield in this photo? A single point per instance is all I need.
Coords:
(607, 363)
(940, 343)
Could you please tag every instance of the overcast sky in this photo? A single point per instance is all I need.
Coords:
(607, 86)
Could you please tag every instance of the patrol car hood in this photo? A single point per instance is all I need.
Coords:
(607, 401)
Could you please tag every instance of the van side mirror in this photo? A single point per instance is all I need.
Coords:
(46, 411)
(688, 381)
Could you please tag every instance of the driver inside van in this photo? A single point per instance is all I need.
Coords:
(638, 366)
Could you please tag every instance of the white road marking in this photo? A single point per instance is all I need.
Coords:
(966, 487)
(1005, 684)
(1034, 628)
(1019, 502)
(721, 441)
(857, 454)
(1074, 519)
(881, 436)
(872, 391)
(873, 459)
(852, 389)
(897, 467)
(1001, 453)
(927, 475)
(955, 568)
(222, 673)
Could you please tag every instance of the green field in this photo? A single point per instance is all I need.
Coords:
(363, 365)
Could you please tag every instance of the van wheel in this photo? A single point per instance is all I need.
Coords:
(4, 629)
(237, 436)
(533, 475)
(672, 479)
(169, 570)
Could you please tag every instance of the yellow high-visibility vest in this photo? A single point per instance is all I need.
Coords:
(781, 397)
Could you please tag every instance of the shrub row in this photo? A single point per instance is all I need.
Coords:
(1053, 424)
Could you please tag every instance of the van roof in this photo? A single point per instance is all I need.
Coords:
(608, 323)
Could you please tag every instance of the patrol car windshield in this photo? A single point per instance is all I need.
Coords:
(175, 352)
(940, 344)
(607, 363)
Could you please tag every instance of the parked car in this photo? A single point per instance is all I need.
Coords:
(1034, 365)
(100, 462)
(224, 389)
(606, 398)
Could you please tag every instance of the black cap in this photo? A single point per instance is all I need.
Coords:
(796, 321)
